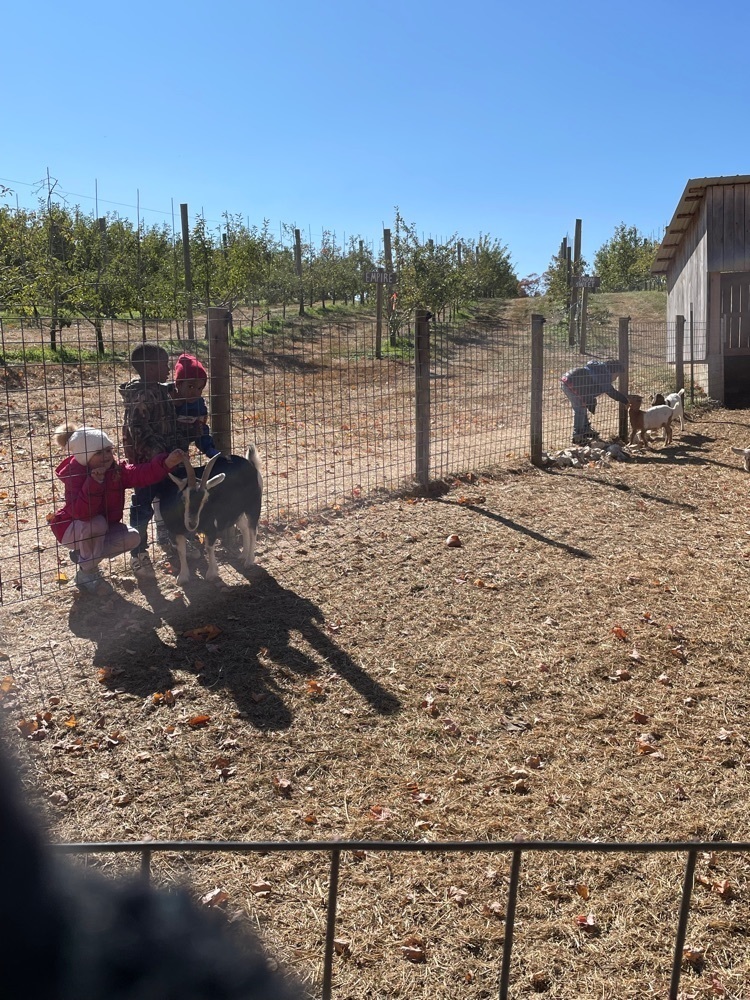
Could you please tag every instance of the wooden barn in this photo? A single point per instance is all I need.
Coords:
(705, 256)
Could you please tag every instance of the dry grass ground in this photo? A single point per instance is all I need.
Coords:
(576, 669)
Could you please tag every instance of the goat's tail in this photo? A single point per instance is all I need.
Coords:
(64, 433)
(252, 456)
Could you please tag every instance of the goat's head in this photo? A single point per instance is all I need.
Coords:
(745, 452)
(634, 401)
(194, 492)
(658, 399)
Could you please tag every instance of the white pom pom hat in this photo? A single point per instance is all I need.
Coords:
(85, 441)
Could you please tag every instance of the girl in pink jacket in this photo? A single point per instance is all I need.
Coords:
(90, 521)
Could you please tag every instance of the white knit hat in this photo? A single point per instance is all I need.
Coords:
(85, 441)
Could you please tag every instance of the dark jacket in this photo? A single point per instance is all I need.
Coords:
(86, 498)
(149, 423)
(595, 379)
(192, 419)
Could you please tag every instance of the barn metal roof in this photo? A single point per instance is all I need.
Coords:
(689, 203)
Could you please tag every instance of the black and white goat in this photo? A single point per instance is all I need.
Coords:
(225, 493)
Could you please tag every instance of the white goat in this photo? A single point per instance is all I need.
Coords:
(676, 400)
(745, 452)
(643, 421)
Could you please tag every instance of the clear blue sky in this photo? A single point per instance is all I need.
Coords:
(511, 119)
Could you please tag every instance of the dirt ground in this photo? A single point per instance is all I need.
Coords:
(575, 669)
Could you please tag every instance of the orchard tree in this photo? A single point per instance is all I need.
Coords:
(624, 261)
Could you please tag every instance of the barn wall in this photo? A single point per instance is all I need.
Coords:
(687, 280)
(728, 216)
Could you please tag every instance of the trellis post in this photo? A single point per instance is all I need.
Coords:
(679, 353)
(422, 396)
(537, 380)
(623, 352)
(217, 333)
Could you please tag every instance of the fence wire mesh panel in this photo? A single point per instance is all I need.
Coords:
(333, 422)
(479, 400)
(509, 918)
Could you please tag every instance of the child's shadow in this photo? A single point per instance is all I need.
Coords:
(126, 640)
(268, 637)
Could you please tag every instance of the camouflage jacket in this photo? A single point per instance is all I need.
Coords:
(149, 423)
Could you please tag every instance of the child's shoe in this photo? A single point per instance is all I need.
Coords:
(141, 565)
(92, 582)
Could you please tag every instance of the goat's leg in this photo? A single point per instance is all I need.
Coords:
(183, 576)
(249, 535)
(212, 573)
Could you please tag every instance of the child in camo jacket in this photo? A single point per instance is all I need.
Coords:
(149, 428)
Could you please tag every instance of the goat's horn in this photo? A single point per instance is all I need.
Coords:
(190, 475)
(209, 466)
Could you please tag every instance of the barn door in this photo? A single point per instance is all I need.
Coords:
(735, 312)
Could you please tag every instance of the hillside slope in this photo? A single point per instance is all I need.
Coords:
(642, 307)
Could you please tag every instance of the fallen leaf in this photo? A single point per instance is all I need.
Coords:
(451, 727)
(342, 947)
(283, 787)
(204, 633)
(380, 813)
(260, 888)
(217, 897)
(453, 542)
(123, 800)
(640, 718)
(315, 689)
(679, 652)
(458, 896)
(619, 632)
(726, 735)
(494, 909)
(196, 721)
(587, 922)
(413, 949)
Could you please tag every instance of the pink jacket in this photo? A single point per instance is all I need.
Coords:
(85, 498)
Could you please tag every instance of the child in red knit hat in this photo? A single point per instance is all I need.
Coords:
(190, 378)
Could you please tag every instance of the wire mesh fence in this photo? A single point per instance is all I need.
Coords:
(334, 424)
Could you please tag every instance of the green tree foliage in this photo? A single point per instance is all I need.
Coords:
(624, 261)
(59, 261)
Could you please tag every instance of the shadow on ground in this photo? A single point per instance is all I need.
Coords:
(267, 634)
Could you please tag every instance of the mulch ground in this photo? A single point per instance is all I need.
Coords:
(576, 668)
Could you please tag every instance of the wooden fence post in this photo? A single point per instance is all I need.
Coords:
(217, 331)
(679, 353)
(623, 352)
(298, 269)
(188, 270)
(422, 396)
(537, 381)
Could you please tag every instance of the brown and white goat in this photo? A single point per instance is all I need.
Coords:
(652, 419)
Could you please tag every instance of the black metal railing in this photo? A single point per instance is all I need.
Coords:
(515, 848)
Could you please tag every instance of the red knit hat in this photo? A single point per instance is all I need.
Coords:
(187, 366)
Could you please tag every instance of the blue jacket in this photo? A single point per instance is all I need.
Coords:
(594, 379)
(192, 420)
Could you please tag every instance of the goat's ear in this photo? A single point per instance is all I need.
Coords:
(182, 483)
(215, 480)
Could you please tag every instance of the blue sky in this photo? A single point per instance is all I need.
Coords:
(507, 119)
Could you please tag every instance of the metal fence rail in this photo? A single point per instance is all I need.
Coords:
(516, 849)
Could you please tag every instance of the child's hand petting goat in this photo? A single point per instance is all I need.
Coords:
(652, 419)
